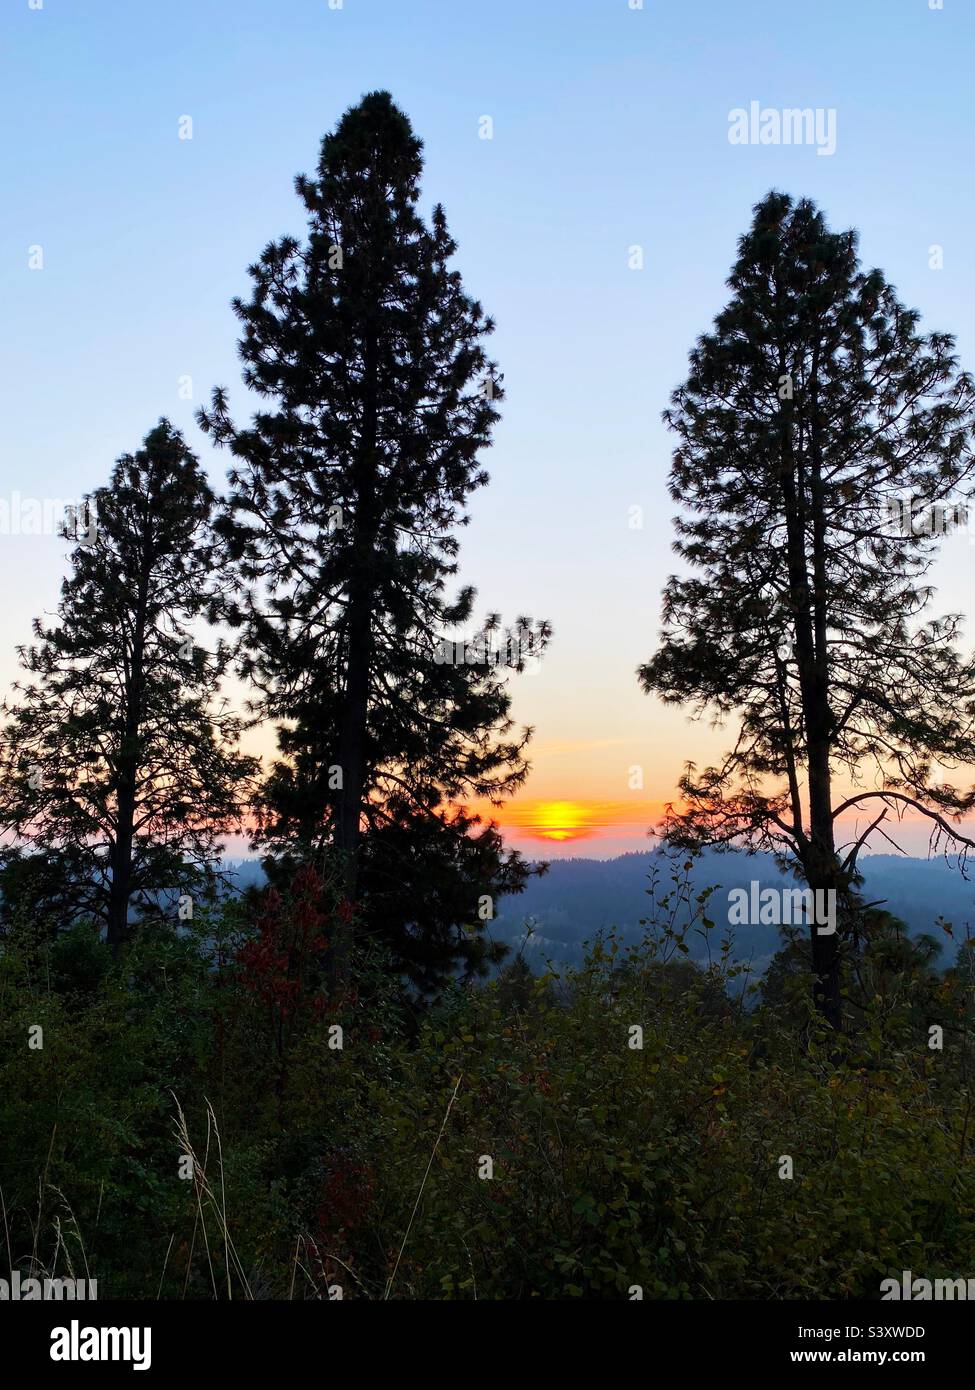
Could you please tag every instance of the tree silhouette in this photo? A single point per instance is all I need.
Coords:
(344, 496)
(117, 763)
(824, 443)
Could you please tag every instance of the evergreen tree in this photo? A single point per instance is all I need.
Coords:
(118, 765)
(824, 445)
(344, 498)
(37, 888)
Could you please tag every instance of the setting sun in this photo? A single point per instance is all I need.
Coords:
(561, 820)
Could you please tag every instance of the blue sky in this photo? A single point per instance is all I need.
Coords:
(610, 131)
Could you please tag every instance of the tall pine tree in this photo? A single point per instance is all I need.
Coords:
(345, 496)
(824, 442)
(119, 762)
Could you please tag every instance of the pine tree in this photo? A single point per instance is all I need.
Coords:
(824, 443)
(344, 498)
(118, 763)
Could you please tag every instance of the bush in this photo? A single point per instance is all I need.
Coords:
(197, 1125)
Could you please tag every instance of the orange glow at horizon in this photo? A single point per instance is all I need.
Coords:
(561, 820)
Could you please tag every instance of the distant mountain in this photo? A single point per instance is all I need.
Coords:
(244, 873)
(577, 898)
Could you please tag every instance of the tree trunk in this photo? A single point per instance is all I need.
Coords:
(355, 711)
(127, 772)
(819, 734)
(352, 738)
(804, 512)
(823, 875)
(121, 862)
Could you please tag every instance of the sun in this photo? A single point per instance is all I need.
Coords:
(561, 820)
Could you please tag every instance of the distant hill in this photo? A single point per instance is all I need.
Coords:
(579, 897)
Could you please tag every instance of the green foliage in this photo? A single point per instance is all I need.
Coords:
(613, 1165)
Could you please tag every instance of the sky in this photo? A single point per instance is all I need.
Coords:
(597, 225)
